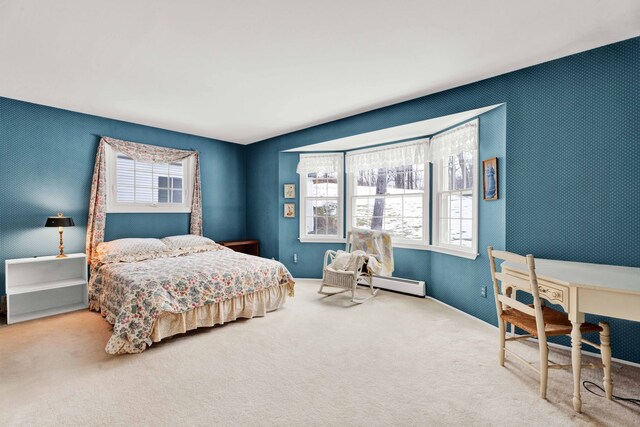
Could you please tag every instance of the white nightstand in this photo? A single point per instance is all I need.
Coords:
(44, 286)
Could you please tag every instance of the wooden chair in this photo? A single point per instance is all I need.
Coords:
(538, 321)
(346, 280)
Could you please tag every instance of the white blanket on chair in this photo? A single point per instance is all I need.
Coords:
(346, 261)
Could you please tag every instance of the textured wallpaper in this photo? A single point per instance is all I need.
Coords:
(572, 187)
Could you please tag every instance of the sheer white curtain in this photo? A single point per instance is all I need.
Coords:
(389, 156)
(319, 163)
(461, 139)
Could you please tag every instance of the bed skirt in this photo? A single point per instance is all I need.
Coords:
(169, 324)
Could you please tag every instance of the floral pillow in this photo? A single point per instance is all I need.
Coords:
(187, 241)
(126, 247)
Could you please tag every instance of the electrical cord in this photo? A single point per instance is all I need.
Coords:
(624, 399)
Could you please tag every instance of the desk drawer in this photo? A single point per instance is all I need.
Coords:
(553, 293)
(550, 291)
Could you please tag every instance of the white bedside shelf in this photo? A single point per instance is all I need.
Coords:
(44, 286)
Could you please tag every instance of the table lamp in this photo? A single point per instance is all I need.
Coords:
(60, 221)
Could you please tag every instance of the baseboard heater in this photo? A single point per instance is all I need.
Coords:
(407, 286)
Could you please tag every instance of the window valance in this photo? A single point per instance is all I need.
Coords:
(461, 139)
(320, 162)
(408, 153)
(141, 152)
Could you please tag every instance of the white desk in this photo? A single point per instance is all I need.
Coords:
(581, 288)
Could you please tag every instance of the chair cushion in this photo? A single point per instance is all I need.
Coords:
(555, 322)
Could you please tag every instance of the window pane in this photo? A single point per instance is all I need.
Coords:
(175, 169)
(321, 225)
(363, 207)
(125, 178)
(414, 179)
(468, 169)
(378, 206)
(445, 236)
(310, 225)
(447, 173)
(163, 196)
(163, 182)
(445, 205)
(393, 178)
(362, 222)
(332, 187)
(467, 233)
(326, 207)
(376, 223)
(412, 228)
(467, 205)
(458, 163)
(332, 227)
(310, 184)
(393, 207)
(125, 194)
(144, 195)
(455, 205)
(393, 225)
(454, 232)
(365, 183)
(310, 207)
(144, 174)
(176, 183)
(177, 196)
(413, 206)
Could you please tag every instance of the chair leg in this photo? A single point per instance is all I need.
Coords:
(502, 328)
(544, 366)
(605, 352)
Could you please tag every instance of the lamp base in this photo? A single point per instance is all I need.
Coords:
(61, 256)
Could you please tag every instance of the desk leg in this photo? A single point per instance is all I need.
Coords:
(576, 362)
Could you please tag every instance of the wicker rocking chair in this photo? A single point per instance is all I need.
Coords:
(347, 280)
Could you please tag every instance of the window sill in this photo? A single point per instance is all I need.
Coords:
(322, 240)
(147, 209)
(454, 252)
(415, 246)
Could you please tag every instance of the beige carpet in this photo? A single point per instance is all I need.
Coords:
(395, 360)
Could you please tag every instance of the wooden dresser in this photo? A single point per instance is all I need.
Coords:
(250, 247)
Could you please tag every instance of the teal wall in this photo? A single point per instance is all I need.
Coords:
(567, 138)
(571, 174)
(46, 164)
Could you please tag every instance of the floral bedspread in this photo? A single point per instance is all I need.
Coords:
(131, 295)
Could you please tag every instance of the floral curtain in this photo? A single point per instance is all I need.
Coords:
(141, 152)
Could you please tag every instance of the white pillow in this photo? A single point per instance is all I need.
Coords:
(186, 241)
(346, 261)
(129, 246)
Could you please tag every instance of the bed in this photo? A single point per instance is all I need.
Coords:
(151, 289)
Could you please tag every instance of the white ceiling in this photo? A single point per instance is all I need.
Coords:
(246, 70)
(396, 133)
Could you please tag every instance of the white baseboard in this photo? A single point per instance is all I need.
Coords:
(554, 345)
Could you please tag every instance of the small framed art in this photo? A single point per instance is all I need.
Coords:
(490, 179)
(289, 191)
(289, 210)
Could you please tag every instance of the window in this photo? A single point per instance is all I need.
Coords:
(321, 197)
(137, 186)
(387, 191)
(455, 219)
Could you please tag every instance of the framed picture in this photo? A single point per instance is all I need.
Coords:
(490, 179)
(289, 191)
(289, 210)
